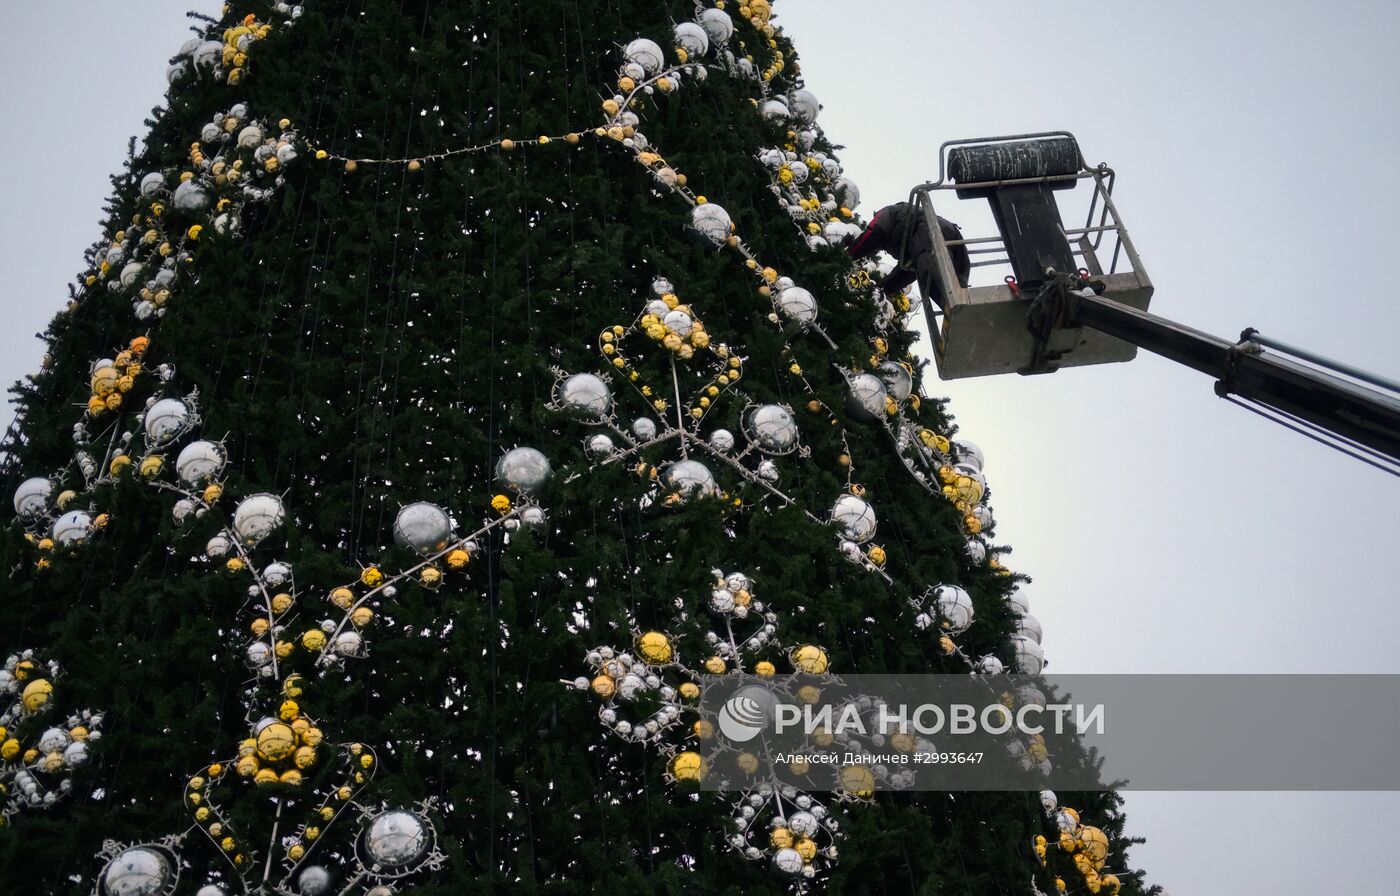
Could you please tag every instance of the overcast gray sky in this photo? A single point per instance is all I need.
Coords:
(1167, 531)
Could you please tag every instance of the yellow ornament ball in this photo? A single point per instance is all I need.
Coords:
(780, 838)
(247, 766)
(120, 464)
(342, 597)
(361, 617)
(858, 781)
(655, 648)
(810, 659)
(281, 603)
(288, 711)
(458, 559)
(9, 749)
(687, 766)
(233, 564)
(806, 848)
(809, 694)
(689, 690)
(1093, 842)
(259, 627)
(428, 577)
(765, 669)
(290, 776)
(264, 776)
(304, 757)
(604, 686)
(276, 742)
(500, 504)
(371, 577)
(716, 666)
(212, 493)
(877, 555)
(748, 763)
(312, 736)
(313, 640)
(703, 729)
(296, 852)
(36, 695)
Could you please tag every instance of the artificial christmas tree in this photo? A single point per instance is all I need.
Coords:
(452, 377)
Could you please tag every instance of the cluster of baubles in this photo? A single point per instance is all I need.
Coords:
(226, 59)
(798, 839)
(35, 763)
(1087, 845)
(620, 677)
(112, 378)
(882, 392)
(808, 181)
(279, 749)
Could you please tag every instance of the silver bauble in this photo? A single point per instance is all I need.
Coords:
(396, 839)
(523, 469)
(712, 222)
(773, 428)
(349, 644)
(717, 25)
(787, 862)
(690, 479)
(586, 395)
(799, 172)
(955, 608)
(644, 428)
(167, 420)
(211, 890)
(899, 382)
(257, 516)
(865, 401)
(645, 53)
(314, 880)
(137, 871)
(968, 453)
(1030, 659)
(73, 528)
(1028, 626)
(32, 497)
(52, 740)
(199, 461)
(598, 446)
(803, 824)
(76, 753)
(976, 551)
(798, 304)
(692, 38)
(184, 511)
(722, 440)
(773, 109)
(191, 198)
(1019, 602)
(422, 526)
(678, 322)
(847, 193)
(804, 105)
(257, 654)
(855, 517)
(1048, 801)
(275, 575)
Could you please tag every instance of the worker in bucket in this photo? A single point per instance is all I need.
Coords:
(886, 231)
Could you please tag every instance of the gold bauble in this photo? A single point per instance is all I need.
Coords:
(689, 690)
(342, 597)
(313, 640)
(281, 603)
(748, 763)
(290, 776)
(234, 564)
(212, 493)
(715, 665)
(304, 757)
(371, 577)
(265, 776)
(9, 749)
(780, 838)
(296, 852)
(361, 617)
(312, 736)
(703, 729)
(809, 694)
(687, 766)
(428, 577)
(288, 711)
(458, 559)
(806, 848)
(247, 766)
(858, 781)
(259, 627)
(1093, 842)
(36, 695)
(603, 686)
(276, 742)
(655, 648)
(120, 464)
(810, 659)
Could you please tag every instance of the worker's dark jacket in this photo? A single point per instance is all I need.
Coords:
(886, 231)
